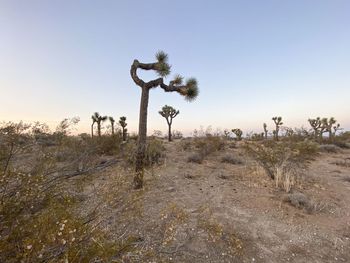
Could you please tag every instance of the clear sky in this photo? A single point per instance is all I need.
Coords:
(252, 59)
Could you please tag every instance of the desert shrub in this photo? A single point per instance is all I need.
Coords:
(229, 158)
(209, 144)
(109, 145)
(205, 146)
(185, 145)
(282, 161)
(195, 158)
(340, 143)
(154, 155)
(329, 148)
(38, 221)
(299, 200)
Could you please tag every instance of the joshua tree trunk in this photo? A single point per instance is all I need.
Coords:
(112, 128)
(169, 133)
(124, 134)
(92, 130)
(276, 134)
(142, 139)
(99, 129)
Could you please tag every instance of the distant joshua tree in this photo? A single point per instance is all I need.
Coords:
(123, 124)
(278, 122)
(161, 66)
(238, 133)
(316, 125)
(169, 113)
(265, 130)
(111, 119)
(327, 125)
(98, 119)
(92, 125)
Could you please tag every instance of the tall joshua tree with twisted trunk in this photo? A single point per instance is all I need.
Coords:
(169, 113)
(98, 119)
(112, 120)
(123, 124)
(278, 122)
(189, 89)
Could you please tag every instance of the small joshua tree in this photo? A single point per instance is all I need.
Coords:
(278, 122)
(265, 130)
(111, 119)
(98, 119)
(123, 124)
(169, 113)
(161, 66)
(316, 125)
(238, 133)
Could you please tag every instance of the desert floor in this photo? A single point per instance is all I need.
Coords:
(220, 212)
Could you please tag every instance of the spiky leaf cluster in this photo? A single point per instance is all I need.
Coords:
(96, 117)
(192, 89)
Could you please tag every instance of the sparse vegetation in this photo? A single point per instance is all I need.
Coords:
(39, 222)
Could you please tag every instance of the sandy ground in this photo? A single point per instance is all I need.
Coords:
(218, 212)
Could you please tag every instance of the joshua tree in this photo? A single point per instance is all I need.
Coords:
(316, 125)
(92, 125)
(98, 119)
(122, 122)
(238, 133)
(336, 128)
(327, 126)
(111, 119)
(189, 90)
(278, 122)
(169, 113)
(227, 133)
(265, 130)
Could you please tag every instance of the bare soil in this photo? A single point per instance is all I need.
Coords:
(221, 212)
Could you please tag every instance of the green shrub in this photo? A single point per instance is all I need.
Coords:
(282, 161)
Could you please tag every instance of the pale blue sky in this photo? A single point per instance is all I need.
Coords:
(253, 60)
